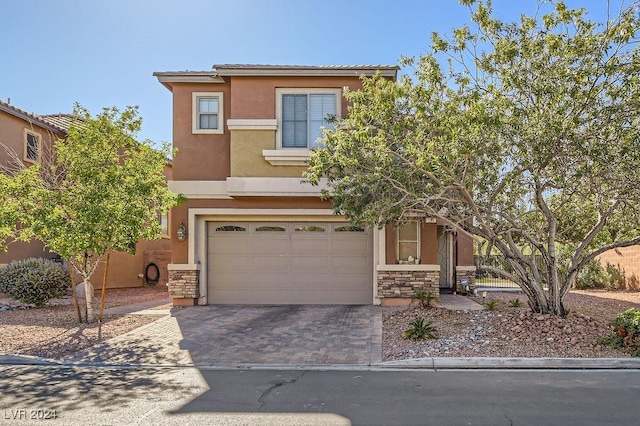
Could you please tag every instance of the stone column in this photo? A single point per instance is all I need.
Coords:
(184, 284)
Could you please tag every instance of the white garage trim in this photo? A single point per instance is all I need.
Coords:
(197, 231)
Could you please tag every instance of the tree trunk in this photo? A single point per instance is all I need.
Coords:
(103, 294)
(75, 292)
(88, 288)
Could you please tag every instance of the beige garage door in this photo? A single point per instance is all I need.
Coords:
(289, 263)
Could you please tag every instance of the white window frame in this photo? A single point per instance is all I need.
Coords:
(302, 91)
(163, 220)
(418, 226)
(38, 137)
(195, 120)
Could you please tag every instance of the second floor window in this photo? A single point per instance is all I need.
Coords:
(32, 147)
(303, 113)
(207, 112)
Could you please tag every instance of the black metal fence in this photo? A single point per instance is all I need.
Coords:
(488, 279)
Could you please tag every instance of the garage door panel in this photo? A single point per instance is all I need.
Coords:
(230, 246)
(272, 263)
(311, 245)
(271, 245)
(305, 263)
(310, 297)
(346, 246)
(350, 263)
(274, 280)
(260, 263)
(348, 281)
(317, 280)
(238, 280)
(223, 262)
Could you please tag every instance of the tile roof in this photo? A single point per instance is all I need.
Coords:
(304, 70)
(224, 70)
(62, 121)
(31, 118)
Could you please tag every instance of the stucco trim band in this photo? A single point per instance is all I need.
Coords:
(286, 157)
(203, 189)
(269, 187)
(252, 124)
(429, 268)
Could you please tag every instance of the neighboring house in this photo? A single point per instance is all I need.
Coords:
(252, 231)
(29, 135)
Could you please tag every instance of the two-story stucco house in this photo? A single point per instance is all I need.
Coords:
(251, 231)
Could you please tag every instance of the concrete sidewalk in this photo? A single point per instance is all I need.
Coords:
(455, 302)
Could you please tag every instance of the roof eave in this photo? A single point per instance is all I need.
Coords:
(31, 119)
(166, 78)
(306, 72)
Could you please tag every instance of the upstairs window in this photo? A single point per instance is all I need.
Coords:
(31, 147)
(302, 113)
(207, 112)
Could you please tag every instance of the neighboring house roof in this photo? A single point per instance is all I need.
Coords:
(228, 70)
(35, 119)
(62, 121)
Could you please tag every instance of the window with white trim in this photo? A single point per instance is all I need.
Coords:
(31, 147)
(303, 113)
(208, 111)
(408, 242)
(163, 220)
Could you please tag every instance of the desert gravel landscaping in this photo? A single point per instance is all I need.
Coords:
(511, 332)
(53, 331)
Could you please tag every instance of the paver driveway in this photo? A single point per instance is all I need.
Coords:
(232, 335)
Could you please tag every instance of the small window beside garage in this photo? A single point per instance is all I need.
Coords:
(350, 228)
(230, 228)
(408, 240)
(309, 228)
(270, 229)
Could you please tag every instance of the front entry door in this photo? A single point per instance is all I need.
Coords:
(445, 257)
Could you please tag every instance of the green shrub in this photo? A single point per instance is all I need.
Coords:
(515, 303)
(491, 305)
(34, 281)
(420, 330)
(625, 332)
(593, 275)
(615, 277)
(425, 298)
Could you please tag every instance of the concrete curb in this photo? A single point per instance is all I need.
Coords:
(433, 364)
(516, 363)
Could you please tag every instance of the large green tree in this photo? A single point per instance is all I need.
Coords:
(523, 134)
(99, 190)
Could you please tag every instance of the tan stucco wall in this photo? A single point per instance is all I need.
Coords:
(255, 97)
(209, 156)
(124, 268)
(627, 258)
(247, 158)
(199, 156)
(12, 135)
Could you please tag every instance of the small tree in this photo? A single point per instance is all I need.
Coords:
(528, 139)
(100, 191)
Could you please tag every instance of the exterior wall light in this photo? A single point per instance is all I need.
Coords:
(182, 232)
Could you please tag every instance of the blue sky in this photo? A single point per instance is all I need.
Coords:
(103, 52)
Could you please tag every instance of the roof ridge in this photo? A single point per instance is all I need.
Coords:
(25, 115)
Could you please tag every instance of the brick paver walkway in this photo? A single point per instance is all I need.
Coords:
(232, 335)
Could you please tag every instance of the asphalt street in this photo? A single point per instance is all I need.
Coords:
(90, 395)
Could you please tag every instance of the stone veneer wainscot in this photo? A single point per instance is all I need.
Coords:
(402, 281)
(183, 284)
